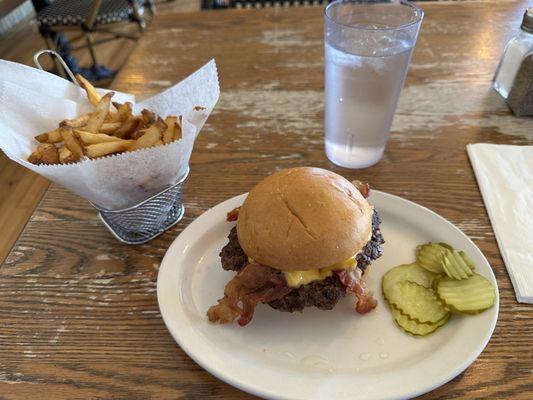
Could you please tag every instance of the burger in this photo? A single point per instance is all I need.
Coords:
(304, 238)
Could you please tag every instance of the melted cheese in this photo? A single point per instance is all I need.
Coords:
(298, 278)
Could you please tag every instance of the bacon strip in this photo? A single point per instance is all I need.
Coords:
(254, 284)
(364, 188)
(365, 302)
(347, 278)
(233, 215)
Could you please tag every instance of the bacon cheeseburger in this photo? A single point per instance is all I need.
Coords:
(304, 238)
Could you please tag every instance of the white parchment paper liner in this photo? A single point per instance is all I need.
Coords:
(33, 101)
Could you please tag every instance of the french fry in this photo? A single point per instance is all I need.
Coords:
(35, 157)
(124, 111)
(127, 128)
(137, 134)
(65, 156)
(105, 148)
(76, 122)
(178, 128)
(104, 131)
(93, 138)
(72, 143)
(160, 124)
(151, 135)
(168, 135)
(109, 127)
(50, 154)
(46, 153)
(50, 137)
(98, 116)
(92, 94)
(148, 117)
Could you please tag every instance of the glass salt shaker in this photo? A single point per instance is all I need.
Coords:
(515, 51)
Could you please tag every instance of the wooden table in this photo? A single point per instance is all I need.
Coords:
(79, 314)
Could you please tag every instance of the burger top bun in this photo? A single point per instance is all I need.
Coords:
(303, 218)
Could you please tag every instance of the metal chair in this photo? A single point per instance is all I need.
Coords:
(89, 17)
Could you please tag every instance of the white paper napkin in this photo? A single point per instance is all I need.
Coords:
(505, 177)
(33, 101)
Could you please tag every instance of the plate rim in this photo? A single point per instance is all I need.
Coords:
(250, 387)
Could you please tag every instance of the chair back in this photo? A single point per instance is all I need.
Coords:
(93, 12)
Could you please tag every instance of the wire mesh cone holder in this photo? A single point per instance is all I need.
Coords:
(148, 219)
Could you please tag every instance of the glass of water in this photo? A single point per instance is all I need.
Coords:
(368, 46)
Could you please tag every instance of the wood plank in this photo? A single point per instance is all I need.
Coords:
(80, 315)
(6, 6)
(21, 191)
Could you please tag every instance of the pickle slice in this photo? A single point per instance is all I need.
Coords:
(429, 256)
(467, 260)
(455, 265)
(467, 296)
(407, 272)
(416, 302)
(415, 328)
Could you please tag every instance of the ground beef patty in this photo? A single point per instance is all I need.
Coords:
(372, 250)
(323, 294)
(232, 254)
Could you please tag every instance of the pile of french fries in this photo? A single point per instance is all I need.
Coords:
(111, 128)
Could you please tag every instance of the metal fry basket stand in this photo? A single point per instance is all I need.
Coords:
(146, 220)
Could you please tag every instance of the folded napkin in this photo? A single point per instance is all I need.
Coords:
(505, 177)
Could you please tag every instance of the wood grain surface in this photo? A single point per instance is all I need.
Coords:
(79, 314)
(21, 191)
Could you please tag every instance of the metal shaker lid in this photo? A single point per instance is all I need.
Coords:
(527, 21)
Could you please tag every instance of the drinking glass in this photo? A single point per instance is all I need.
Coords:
(368, 46)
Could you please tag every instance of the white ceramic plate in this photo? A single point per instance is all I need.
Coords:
(319, 354)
